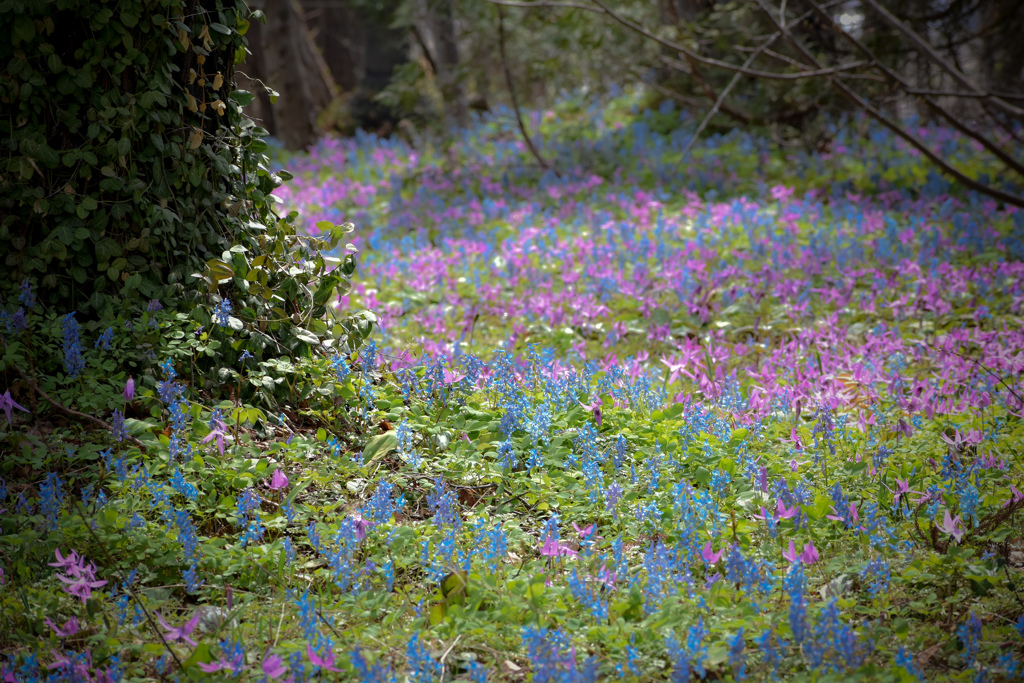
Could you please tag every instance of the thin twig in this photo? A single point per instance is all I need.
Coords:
(532, 5)
(128, 586)
(957, 123)
(950, 93)
(515, 100)
(926, 49)
(989, 371)
(69, 411)
(721, 98)
(678, 47)
(896, 128)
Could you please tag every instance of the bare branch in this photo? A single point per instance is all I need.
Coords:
(925, 48)
(532, 5)
(723, 95)
(892, 125)
(515, 100)
(957, 123)
(947, 93)
(800, 75)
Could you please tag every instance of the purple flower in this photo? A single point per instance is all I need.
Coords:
(552, 547)
(326, 662)
(65, 563)
(809, 554)
(69, 628)
(218, 432)
(129, 389)
(80, 587)
(278, 481)
(791, 554)
(361, 526)
(182, 632)
(709, 554)
(953, 525)
(594, 408)
(7, 403)
(273, 666)
(452, 376)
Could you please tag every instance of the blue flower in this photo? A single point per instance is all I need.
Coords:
(27, 296)
(74, 363)
(192, 581)
(117, 427)
(51, 499)
(737, 659)
(105, 340)
(422, 667)
(222, 313)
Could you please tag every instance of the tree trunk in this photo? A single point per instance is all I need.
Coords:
(286, 59)
(436, 29)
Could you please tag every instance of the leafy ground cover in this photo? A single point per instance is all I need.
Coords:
(765, 426)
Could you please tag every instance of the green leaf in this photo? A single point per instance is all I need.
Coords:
(220, 28)
(380, 445)
(65, 233)
(24, 28)
(219, 270)
(453, 588)
(201, 654)
(306, 336)
(129, 19)
(703, 476)
(243, 97)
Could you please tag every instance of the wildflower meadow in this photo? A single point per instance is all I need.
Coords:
(751, 415)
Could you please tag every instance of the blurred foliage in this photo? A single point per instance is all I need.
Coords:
(557, 50)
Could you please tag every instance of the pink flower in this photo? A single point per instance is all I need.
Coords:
(273, 666)
(69, 628)
(80, 588)
(585, 531)
(278, 481)
(553, 548)
(791, 553)
(65, 563)
(326, 662)
(675, 369)
(129, 389)
(594, 408)
(452, 376)
(902, 489)
(953, 525)
(782, 512)
(809, 554)
(709, 554)
(1015, 496)
(218, 432)
(794, 464)
(182, 632)
(7, 403)
(605, 577)
(361, 526)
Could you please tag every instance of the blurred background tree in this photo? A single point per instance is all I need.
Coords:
(788, 67)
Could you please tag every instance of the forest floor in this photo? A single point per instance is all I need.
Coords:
(754, 415)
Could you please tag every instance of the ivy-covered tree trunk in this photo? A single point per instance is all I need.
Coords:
(129, 173)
